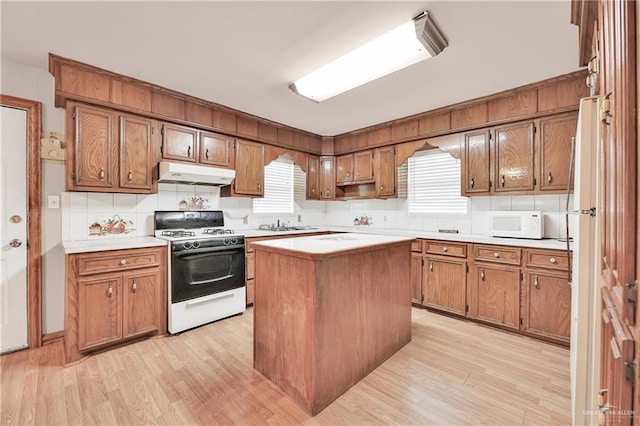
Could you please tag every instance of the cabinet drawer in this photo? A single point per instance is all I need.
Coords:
(547, 259)
(446, 248)
(416, 246)
(118, 260)
(497, 254)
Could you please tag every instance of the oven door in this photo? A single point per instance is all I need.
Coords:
(201, 272)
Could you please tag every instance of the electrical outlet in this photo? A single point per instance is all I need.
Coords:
(299, 218)
(245, 220)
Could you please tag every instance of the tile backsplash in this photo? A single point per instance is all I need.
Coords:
(80, 210)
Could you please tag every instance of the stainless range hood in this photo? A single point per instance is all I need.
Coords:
(192, 174)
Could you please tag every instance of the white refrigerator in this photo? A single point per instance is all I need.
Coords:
(585, 294)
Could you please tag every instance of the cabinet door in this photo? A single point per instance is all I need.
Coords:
(344, 170)
(179, 143)
(95, 149)
(385, 175)
(416, 278)
(327, 184)
(497, 295)
(514, 166)
(555, 151)
(99, 311)
(363, 167)
(142, 302)
(548, 305)
(313, 177)
(476, 170)
(136, 153)
(215, 149)
(249, 165)
(445, 284)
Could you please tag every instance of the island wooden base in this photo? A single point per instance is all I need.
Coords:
(321, 325)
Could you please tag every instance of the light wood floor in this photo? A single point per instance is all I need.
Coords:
(452, 373)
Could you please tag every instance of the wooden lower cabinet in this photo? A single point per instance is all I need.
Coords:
(99, 305)
(416, 278)
(445, 284)
(496, 295)
(547, 307)
(113, 296)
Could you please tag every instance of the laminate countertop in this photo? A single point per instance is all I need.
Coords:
(329, 245)
(85, 246)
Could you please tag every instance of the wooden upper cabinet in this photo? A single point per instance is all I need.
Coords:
(386, 171)
(327, 178)
(137, 157)
(313, 177)
(95, 142)
(215, 149)
(249, 166)
(179, 143)
(344, 170)
(555, 151)
(363, 167)
(514, 165)
(476, 163)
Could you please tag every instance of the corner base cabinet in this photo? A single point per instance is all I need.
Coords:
(112, 297)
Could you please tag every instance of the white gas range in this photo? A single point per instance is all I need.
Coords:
(206, 267)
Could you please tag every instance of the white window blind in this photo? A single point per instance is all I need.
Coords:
(278, 189)
(434, 184)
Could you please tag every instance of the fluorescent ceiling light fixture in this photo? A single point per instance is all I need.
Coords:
(412, 42)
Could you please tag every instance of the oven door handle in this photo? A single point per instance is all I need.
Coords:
(207, 250)
(207, 299)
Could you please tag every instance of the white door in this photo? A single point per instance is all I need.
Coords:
(13, 229)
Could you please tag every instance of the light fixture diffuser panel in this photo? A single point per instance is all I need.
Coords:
(395, 50)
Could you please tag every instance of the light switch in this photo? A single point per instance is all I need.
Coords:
(53, 202)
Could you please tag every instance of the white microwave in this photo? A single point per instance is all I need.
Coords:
(516, 224)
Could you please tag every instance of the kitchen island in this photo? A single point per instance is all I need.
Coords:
(329, 309)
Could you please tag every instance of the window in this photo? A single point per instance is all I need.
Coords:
(433, 183)
(278, 189)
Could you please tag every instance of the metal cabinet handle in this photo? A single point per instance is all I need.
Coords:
(444, 249)
(381, 187)
(496, 255)
(602, 416)
(15, 243)
(188, 151)
(358, 173)
(473, 182)
(549, 178)
(110, 292)
(502, 180)
(431, 266)
(134, 286)
(313, 191)
(258, 186)
(552, 260)
(206, 154)
(536, 284)
(101, 173)
(130, 175)
(482, 274)
(123, 262)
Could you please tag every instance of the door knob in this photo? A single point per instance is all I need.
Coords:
(15, 243)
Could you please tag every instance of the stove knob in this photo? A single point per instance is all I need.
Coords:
(196, 244)
(186, 245)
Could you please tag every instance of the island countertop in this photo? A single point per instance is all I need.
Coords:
(326, 246)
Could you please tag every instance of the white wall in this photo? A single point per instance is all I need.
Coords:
(37, 85)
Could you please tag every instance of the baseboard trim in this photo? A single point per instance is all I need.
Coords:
(50, 338)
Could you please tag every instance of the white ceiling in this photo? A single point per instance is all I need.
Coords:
(245, 54)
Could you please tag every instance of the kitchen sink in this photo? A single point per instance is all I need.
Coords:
(285, 228)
